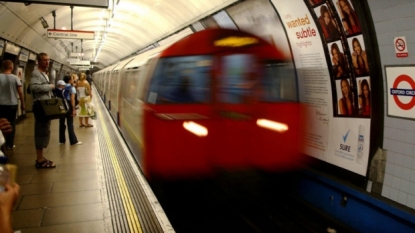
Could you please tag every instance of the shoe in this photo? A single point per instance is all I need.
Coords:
(88, 125)
(78, 143)
(82, 125)
(45, 164)
(10, 148)
(61, 143)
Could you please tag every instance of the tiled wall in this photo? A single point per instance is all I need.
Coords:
(392, 19)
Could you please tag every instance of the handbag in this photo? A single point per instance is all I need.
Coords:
(87, 91)
(50, 109)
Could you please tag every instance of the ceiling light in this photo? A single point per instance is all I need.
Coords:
(44, 23)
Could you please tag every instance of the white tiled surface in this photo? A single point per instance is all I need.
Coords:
(395, 18)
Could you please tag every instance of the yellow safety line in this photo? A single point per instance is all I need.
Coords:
(132, 216)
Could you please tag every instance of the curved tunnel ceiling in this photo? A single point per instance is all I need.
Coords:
(120, 30)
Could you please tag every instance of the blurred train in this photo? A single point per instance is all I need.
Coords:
(218, 99)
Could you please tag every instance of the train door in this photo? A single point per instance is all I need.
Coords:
(234, 109)
(278, 118)
(177, 117)
(261, 121)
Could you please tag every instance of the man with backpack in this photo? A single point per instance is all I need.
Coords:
(66, 91)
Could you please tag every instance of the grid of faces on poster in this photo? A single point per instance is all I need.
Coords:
(342, 33)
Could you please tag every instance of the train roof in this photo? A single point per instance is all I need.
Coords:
(219, 40)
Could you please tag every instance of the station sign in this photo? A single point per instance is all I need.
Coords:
(24, 55)
(401, 91)
(32, 56)
(12, 48)
(70, 34)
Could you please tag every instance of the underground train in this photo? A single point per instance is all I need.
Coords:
(219, 99)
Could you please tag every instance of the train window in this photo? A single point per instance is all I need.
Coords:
(278, 83)
(181, 80)
(237, 80)
(129, 90)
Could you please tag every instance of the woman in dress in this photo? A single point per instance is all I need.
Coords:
(85, 96)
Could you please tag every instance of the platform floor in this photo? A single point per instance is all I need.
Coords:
(70, 198)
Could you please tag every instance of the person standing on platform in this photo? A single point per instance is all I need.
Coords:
(10, 92)
(69, 96)
(85, 96)
(41, 88)
(9, 193)
(8, 199)
(88, 77)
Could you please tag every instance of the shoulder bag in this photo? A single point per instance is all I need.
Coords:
(50, 109)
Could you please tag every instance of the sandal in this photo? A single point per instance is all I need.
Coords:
(82, 125)
(44, 164)
(88, 125)
(49, 161)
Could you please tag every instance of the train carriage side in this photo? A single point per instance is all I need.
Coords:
(206, 107)
(106, 84)
(132, 89)
(98, 80)
(114, 89)
(101, 76)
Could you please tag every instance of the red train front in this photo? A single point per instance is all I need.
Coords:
(220, 99)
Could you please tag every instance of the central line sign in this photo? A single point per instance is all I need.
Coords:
(71, 34)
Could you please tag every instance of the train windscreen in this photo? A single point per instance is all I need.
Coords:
(181, 80)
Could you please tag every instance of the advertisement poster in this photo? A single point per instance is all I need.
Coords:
(333, 79)
(259, 18)
(1, 47)
(401, 91)
(24, 55)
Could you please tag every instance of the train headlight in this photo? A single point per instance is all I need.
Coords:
(272, 125)
(195, 128)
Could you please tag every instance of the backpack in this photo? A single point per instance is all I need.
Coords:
(65, 94)
(58, 92)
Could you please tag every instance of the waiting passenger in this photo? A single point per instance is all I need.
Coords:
(41, 89)
(8, 199)
(10, 93)
(85, 95)
(69, 95)
(9, 195)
